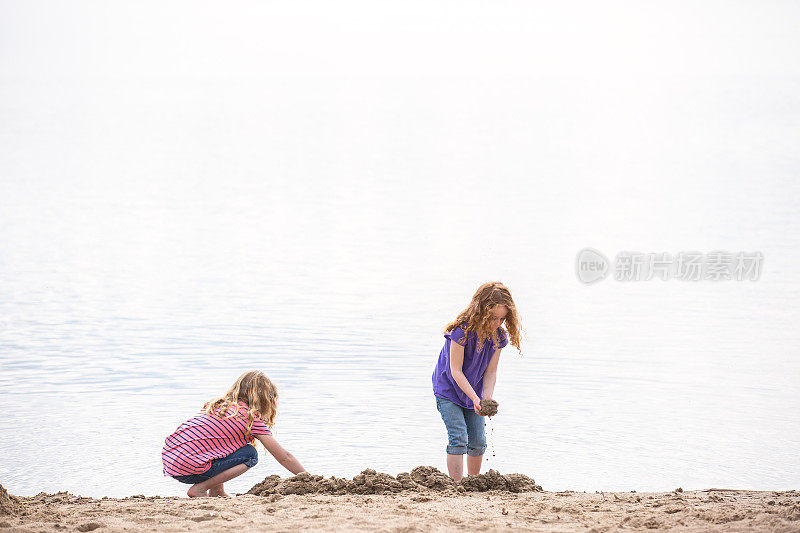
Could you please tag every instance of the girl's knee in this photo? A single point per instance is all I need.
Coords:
(250, 456)
(476, 441)
(456, 442)
(455, 423)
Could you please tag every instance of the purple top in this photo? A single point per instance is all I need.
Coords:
(475, 363)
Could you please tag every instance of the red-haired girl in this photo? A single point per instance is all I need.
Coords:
(467, 371)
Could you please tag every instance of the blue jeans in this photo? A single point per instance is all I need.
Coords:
(246, 455)
(466, 429)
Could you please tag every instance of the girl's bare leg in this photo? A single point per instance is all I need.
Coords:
(202, 489)
(455, 466)
(474, 465)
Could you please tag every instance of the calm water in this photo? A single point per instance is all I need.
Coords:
(157, 238)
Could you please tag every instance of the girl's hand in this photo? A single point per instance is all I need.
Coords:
(490, 398)
(477, 405)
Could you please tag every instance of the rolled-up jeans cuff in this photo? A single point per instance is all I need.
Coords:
(475, 452)
(456, 450)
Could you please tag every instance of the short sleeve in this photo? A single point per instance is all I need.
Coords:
(503, 339)
(458, 335)
(259, 428)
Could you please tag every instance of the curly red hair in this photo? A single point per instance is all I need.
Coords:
(478, 314)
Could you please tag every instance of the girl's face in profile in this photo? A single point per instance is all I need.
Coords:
(499, 315)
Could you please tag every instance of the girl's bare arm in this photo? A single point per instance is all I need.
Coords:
(490, 376)
(286, 459)
(456, 370)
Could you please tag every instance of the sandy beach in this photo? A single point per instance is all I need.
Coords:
(378, 502)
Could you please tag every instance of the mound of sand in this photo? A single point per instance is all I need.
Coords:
(9, 504)
(420, 479)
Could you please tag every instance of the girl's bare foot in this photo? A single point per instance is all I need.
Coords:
(194, 493)
(218, 491)
(215, 484)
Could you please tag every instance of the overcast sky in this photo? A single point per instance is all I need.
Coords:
(76, 39)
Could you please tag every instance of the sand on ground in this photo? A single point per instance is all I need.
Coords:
(400, 506)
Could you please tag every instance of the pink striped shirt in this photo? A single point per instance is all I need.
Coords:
(197, 442)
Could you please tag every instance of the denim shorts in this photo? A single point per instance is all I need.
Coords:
(466, 429)
(246, 455)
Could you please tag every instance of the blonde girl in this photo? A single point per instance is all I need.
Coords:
(217, 445)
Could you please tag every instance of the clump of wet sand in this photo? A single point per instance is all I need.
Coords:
(420, 479)
(9, 504)
(431, 478)
(488, 407)
(493, 480)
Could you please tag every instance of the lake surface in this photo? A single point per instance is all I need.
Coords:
(159, 237)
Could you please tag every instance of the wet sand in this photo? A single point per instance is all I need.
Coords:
(340, 507)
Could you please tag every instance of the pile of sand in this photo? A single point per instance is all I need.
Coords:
(420, 479)
(9, 504)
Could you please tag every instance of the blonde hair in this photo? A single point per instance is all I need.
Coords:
(478, 314)
(256, 390)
